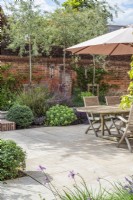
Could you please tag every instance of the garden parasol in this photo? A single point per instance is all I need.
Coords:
(119, 42)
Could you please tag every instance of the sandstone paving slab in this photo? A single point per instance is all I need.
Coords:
(23, 189)
(62, 149)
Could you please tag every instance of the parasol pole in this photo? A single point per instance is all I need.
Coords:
(94, 73)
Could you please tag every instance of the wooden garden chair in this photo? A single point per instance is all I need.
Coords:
(110, 101)
(127, 132)
(92, 101)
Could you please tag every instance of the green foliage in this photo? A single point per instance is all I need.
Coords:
(81, 191)
(60, 115)
(7, 98)
(86, 94)
(80, 5)
(77, 97)
(10, 79)
(85, 78)
(36, 99)
(68, 28)
(84, 193)
(10, 82)
(12, 159)
(27, 25)
(130, 73)
(21, 115)
(24, 24)
(103, 90)
(127, 100)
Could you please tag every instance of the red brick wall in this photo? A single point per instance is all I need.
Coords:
(41, 72)
(118, 75)
(117, 69)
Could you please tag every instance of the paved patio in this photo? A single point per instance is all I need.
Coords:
(61, 149)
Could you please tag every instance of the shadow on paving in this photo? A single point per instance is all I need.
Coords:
(15, 196)
(69, 141)
(21, 188)
(74, 142)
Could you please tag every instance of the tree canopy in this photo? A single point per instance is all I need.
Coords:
(24, 24)
(79, 4)
(28, 26)
(65, 28)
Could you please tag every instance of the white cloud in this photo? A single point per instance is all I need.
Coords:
(126, 11)
(45, 5)
(124, 16)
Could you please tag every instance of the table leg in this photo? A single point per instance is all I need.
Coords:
(102, 124)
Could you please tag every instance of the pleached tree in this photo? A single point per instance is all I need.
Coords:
(25, 29)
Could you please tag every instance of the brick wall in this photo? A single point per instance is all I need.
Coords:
(45, 71)
(49, 72)
(117, 68)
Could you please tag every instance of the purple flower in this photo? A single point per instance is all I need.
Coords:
(41, 168)
(71, 174)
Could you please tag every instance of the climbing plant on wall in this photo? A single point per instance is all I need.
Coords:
(10, 82)
(84, 78)
(127, 100)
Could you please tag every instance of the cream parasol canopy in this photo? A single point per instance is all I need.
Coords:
(119, 42)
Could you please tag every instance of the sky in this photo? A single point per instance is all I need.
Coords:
(125, 15)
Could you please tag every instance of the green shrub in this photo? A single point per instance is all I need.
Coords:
(12, 159)
(21, 115)
(86, 94)
(60, 116)
(78, 95)
(36, 99)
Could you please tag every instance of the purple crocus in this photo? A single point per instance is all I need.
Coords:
(71, 174)
(41, 168)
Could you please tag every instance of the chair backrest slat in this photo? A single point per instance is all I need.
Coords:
(91, 101)
(112, 100)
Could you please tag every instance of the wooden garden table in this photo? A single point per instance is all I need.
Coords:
(104, 110)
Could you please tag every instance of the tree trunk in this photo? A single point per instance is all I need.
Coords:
(30, 62)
